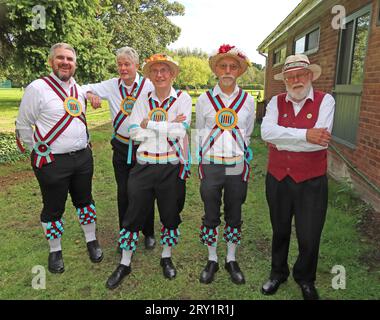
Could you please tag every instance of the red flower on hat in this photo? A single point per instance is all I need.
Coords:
(225, 48)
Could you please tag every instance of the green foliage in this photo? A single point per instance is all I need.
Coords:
(94, 28)
(195, 72)
(8, 149)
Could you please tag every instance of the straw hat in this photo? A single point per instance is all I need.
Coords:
(160, 58)
(226, 50)
(298, 62)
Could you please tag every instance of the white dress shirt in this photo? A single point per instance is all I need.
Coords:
(109, 90)
(154, 138)
(225, 146)
(42, 107)
(293, 139)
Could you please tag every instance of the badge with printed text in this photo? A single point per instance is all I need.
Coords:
(127, 104)
(226, 119)
(158, 114)
(309, 116)
(72, 106)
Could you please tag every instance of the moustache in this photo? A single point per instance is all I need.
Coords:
(227, 77)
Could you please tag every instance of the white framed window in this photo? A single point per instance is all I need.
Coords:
(307, 42)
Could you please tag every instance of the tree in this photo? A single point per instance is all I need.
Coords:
(142, 24)
(94, 28)
(195, 72)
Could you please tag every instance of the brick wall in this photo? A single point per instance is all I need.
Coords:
(366, 156)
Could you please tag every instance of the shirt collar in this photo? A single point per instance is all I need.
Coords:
(218, 90)
(309, 96)
(137, 79)
(172, 93)
(63, 84)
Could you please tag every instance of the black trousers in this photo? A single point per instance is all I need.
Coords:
(122, 170)
(69, 173)
(307, 201)
(218, 177)
(154, 181)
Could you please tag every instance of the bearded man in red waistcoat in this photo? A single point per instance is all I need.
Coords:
(297, 127)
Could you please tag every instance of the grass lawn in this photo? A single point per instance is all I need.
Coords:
(23, 245)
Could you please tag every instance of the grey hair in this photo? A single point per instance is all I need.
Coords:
(129, 53)
(61, 45)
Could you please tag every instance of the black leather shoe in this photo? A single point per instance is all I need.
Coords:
(271, 286)
(150, 242)
(117, 276)
(207, 275)
(94, 250)
(168, 268)
(309, 292)
(233, 269)
(55, 264)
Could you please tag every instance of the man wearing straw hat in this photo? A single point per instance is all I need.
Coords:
(297, 127)
(121, 94)
(225, 118)
(159, 121)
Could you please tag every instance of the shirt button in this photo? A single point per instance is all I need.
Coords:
(287, 169)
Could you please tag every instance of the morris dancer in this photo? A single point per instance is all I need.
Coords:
(61, 157)
(159, 120)
(225, 119)
(121, 94)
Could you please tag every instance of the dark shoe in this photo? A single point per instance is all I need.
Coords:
(309, 292)
(117, 276)
(95, 252)
(168, 268)
(233, 269)
(207, 275)
(150, 242)
(55, 264)
(271, 286)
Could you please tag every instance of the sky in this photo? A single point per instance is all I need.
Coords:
(244, 23)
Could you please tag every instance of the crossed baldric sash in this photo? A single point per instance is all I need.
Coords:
(73, 110)
(226, 120)
(126, 106)
(160, 113)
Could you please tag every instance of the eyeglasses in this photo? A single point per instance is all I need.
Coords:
(299, 76)
(161, 71)
(232, 67)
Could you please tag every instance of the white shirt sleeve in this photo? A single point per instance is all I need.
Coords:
(28, 114)
(292, 139)
(139, 114)
(250, 121)
(101, 89)
(175, 129)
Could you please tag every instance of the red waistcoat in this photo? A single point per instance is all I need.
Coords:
(300, 166)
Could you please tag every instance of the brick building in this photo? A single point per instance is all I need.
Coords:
(350, 60)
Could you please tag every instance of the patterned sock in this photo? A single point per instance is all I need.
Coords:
(212, 255)
(126, 257)
(54, 244)
(89, 231)
(166, 251)
(231, 250)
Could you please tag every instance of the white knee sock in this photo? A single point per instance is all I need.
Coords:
(54, 244)
(126, 257)
(166, 251)
(89, 231)
(231, 250)
(212, 255)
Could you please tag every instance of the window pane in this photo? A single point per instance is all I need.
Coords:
(313, 38)
(360, 48)
(300, 45)
(283, 55)
(345, 52)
